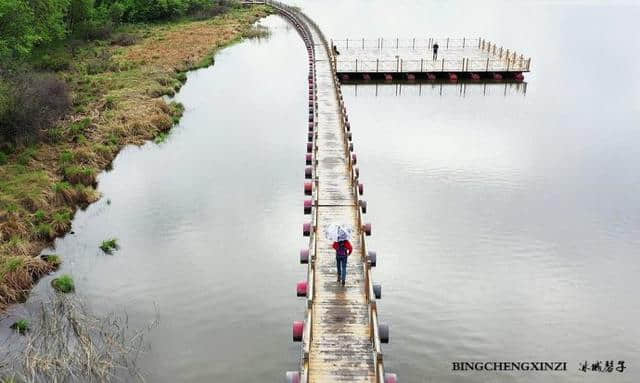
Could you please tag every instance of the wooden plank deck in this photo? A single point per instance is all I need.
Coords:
(341, 337)
(341, 348)
(415, 56)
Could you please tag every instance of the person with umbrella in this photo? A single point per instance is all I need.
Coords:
(340, 236)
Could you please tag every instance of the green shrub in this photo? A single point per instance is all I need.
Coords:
(56, 61)
(66, 158)
(61, 220)
(39, 216)
(35, 102)
(79, 127)
(53, 259)
(161, 137)
(109, 245)
(64, 284)
(21, 326)
(182, 77)
(26, 156)
(3, 158)
(13, 264)
(124, 39)
(44, 231)
(61, 186)
(80, 174)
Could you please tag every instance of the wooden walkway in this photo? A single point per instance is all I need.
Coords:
(466, 58)
(341, 338)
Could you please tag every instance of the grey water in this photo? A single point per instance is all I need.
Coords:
(507, 223)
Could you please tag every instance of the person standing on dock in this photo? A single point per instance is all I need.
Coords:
(435, 51)
(343, 249)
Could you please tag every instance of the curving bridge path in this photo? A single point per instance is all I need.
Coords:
(341, 337)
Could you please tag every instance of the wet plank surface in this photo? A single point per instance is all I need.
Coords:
(407, 59)
(341, 349)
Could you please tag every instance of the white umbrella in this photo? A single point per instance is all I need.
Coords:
(335, 232)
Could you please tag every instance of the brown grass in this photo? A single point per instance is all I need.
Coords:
(116, 105)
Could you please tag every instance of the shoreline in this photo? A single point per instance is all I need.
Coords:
(119, 99)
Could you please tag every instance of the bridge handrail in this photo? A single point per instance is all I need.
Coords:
(294, 13)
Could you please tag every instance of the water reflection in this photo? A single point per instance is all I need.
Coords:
(462, 89)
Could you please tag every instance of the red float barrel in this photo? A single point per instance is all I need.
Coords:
(301, 289)
(383, 331)
(298, 329)
(306, 229)
(363, 206)
(294, 377)
(308, 205)
(304, 256)
(390, 378)
(372, 257)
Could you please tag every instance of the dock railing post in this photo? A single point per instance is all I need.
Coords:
(397, 42)
(397, 63)
(356, 65)
(347, 44)
(463, 42)
(479, 41)
(421, 65)
(363, 43)
(442, 69)
(414, 44)
(381, 42)
(508, 64)
(400, 65)
(377, 63)
(447, 43)
(528, 63)
(487, 69)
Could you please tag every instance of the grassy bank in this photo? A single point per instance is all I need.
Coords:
(117, 88)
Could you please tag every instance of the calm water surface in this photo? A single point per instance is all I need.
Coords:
(507, 224)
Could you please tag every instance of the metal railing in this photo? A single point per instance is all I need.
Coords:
(301, 20)
(413, 43)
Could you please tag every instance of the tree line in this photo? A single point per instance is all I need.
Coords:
(30, 30)
(25, 24)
